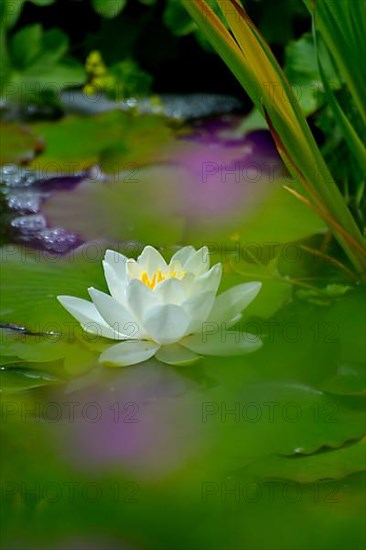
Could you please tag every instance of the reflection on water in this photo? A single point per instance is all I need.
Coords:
(139, 420)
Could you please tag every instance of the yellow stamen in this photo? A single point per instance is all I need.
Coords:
(158, 277)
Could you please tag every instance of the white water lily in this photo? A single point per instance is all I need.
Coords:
(169, 311)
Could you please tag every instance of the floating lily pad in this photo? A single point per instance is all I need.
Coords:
(349, 380)
(40, 277)
(331, 464)
(14, 378)
(78, 142)
(71, 351)
(19, 144)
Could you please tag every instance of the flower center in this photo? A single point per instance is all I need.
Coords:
(159, 276)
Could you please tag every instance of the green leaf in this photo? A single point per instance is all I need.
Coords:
(355, 144)
(350, 379)
(131, 80)
(55, 44)
(10, 11)
(177, 19)
(14, 378)
(343, 30)
(64, 354)
(56, 337)
(19, 144)
(332, 464)
(253, 63)
(25, 46)
(39, 57)
(41, 78)
(336, 290)
(301, 67)
(253, 121)
(81, 140)
(109, 8)
(45, 280)
(43, 2)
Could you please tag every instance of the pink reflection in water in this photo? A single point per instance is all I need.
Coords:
(226, 174)
(143, 422)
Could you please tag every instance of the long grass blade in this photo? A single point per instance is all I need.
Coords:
(251, 60)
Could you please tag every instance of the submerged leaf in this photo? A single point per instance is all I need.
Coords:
(15, 378)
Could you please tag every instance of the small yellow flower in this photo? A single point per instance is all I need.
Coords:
(98, 75)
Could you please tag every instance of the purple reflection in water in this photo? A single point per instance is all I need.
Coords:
(227, 175)
(225, 132)
(142, 421)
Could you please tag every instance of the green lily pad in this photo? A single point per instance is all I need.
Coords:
(14, 378)
(349, 380)
(40, 278)
(19, 145)
(72, 352)
(76, 142)
(57, 336)
(330, 464)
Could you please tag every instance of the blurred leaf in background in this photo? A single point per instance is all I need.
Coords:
(38, 58)
(302, 70)
(109, 8)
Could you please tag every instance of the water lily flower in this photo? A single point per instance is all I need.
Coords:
(169, 311)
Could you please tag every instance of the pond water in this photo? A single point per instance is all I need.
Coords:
(222, 454)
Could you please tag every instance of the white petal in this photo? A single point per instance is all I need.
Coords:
(233, 301)
(183, 255)
(140, 298)
(166, 323)
(115, 258)
(222, 343)
(117, 262)
(188, 282)
(209, 281)
(174, 354)
(199, 262)
(116, 283)
(116, 315)
(198, 308)
(150, 260)
(170, 291)
(231, 322)
(88, 316)
(176, 266)
(133, 269)
(128, 353)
